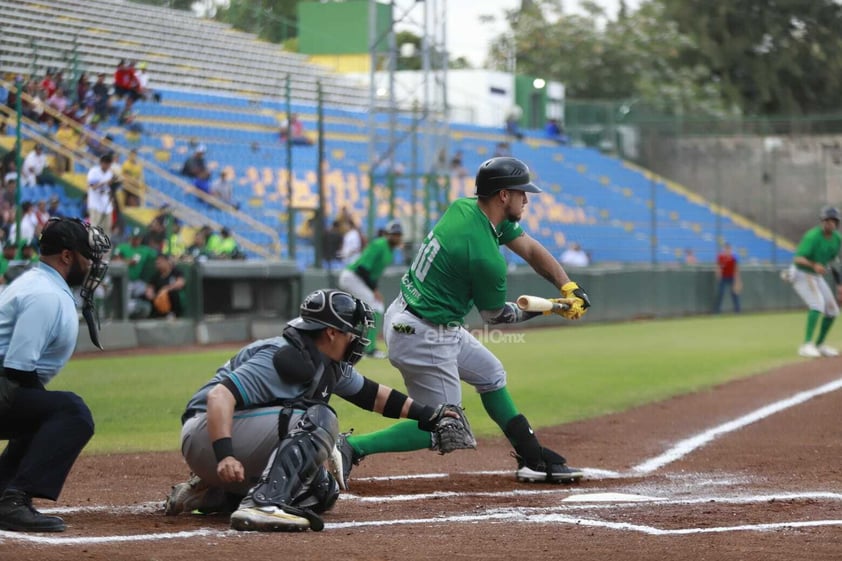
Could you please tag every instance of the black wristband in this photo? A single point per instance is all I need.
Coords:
(222, 448)
(423, 414)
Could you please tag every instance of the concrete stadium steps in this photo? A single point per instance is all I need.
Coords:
(181, 50)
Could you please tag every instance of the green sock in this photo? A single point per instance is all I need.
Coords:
(499, 406)
(812, 320)
(827, 321)
(400, 437)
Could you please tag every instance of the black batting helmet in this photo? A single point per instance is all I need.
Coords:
(393, 227)
(501, 173)
(830, 213)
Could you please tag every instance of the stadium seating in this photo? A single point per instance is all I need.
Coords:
(599, 201)
(181, 51)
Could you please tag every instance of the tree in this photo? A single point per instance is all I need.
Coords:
(637, 56)
(272, 20)
(781, 57)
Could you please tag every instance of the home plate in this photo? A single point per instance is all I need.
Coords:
(607, 498)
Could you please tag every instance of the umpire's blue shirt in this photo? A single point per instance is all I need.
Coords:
(38, 323)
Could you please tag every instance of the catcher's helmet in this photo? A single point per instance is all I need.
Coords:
(497, 174)
(334, 308)
(830, 213)
(393, 227)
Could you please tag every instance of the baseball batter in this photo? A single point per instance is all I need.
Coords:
(361, 277)
(460, 266)
(817, 250)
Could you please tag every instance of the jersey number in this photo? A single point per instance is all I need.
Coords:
(424, 259)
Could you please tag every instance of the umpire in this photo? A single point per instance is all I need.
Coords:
(39, 325)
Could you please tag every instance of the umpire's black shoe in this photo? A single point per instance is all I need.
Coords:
(18, 515)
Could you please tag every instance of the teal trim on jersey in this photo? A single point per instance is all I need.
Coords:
(240, 388)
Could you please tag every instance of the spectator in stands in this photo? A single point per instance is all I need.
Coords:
(228, 246)
(555, 131)
(213, 243)
(34, 169)
(59, 100)
(352, 242)
(28, 224)
(174, 244)
(132, 173)
(198, 251)
(101, 98)
(53, 207)
(294, 131)
(512, 122)
(574, 256)
(41, 214)
(164, 288)
(223, 188)
(100, 201)
(457, 165)
(502, 150)
(7, 164)
(144, 89)
(158, 228)
(332, 243)
(126, 83)
(92, 139)
(48, 85)
(690, 257)
(197, 169)
(84, 92)
(140, 259)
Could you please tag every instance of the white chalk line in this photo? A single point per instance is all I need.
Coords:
(537, 515)
(678, 451)
(688, 445)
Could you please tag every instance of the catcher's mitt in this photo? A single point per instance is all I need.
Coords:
(162, 303)
(450, 429)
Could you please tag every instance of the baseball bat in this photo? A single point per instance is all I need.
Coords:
(538, 304)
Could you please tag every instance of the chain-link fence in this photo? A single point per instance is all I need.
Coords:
(776, 173)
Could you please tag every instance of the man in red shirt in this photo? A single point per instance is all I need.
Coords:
(728, 277)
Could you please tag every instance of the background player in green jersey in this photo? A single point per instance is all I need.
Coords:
(361, 277)
(817, 250)
(459, 266)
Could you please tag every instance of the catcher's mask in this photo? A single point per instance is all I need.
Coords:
(92, 243)
(339, 310)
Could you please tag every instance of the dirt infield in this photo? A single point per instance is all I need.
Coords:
(747, 470)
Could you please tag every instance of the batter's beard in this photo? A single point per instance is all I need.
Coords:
(76, 276)
(514, 217)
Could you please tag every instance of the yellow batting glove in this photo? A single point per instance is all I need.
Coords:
(573, 291)
(561, 306)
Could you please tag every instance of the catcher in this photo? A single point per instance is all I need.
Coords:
(459, 266)
(257, 435)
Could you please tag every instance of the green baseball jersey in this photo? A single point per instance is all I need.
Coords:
(139, 259)
(376, 256)
(817, 248)
(459, 265)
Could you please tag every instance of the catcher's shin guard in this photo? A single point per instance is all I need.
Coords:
(294, 479)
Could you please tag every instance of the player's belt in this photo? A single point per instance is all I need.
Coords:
(413, 311)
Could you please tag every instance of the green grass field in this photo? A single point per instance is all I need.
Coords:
(556, 375)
